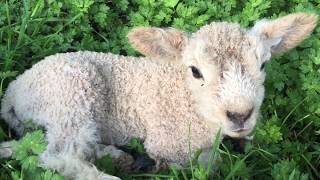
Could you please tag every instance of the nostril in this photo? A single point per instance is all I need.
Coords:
(239, 117)
(231, 115)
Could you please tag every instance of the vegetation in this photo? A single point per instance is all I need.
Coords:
(287, 139)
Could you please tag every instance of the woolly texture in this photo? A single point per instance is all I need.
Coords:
(78, 96)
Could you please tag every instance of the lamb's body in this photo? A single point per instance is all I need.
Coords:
(123, 97)
(210, 80)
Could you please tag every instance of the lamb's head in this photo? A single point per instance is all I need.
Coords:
(225, 64)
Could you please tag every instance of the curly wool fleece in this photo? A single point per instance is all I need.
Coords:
(105, 98)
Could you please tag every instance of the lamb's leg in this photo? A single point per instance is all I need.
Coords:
(125, 161)
(68, 152)
(119, 158)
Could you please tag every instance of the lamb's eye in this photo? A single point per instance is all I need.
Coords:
(262, 66)
(196, 72)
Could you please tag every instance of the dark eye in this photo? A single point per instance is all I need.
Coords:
(196, 73)
(262, 66)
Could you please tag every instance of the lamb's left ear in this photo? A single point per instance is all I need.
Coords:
(286, 32)
(158, 43)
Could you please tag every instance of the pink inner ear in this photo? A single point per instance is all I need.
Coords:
(158, 43)
(273, 43)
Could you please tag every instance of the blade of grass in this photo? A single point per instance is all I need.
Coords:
(264, 151)
(189, 147)
(36, 8)
(234, 169)
(174, 171)
(152, 175)
(292, 174)
(305, 128)
(294, 108)
(304, 117)
(227, 153)
(184, 175)
(9, 24)
(24, 24)
(237, 165)
(312, 167)
(214, 151)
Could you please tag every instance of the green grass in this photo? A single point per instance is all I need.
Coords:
(287, 138)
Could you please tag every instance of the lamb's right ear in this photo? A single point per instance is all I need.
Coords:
(158, 43)
(286, 32)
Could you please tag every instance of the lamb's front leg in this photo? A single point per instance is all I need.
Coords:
(69, 151)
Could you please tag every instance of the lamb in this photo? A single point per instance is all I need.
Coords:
(186, 88)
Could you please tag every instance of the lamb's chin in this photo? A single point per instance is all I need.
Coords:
(238, 134)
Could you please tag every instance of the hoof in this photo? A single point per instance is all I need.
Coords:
(107, 177)
(143, 163)
(6, 149)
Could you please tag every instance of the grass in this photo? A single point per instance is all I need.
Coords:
(287, 138)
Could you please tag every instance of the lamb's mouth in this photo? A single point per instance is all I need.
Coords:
(240, 130)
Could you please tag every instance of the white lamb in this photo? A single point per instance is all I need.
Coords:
(207, 80)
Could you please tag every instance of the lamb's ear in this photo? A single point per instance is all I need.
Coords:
(156, 42)
(286, 32)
